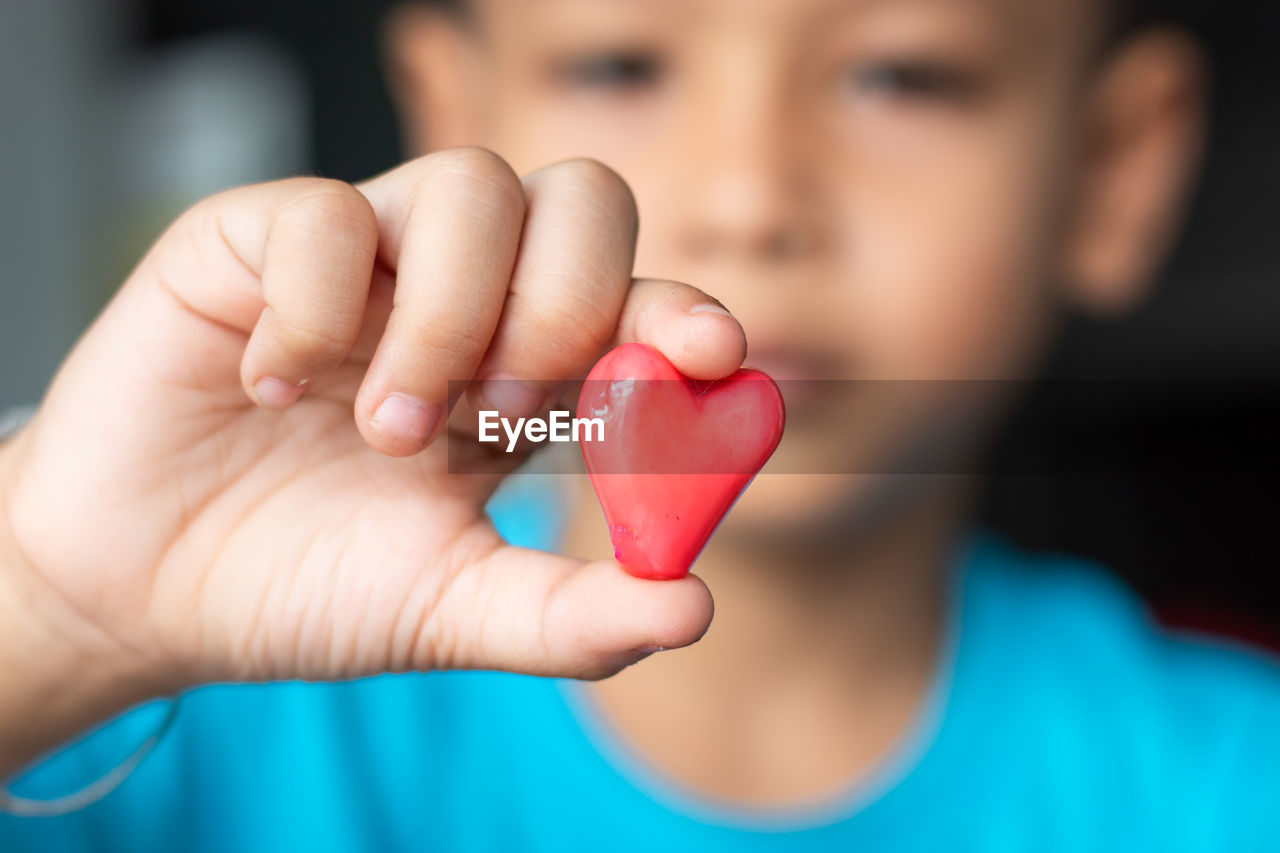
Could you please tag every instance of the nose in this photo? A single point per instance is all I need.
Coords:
(750, 193)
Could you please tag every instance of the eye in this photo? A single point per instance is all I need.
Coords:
(916, 80)
(623, 71)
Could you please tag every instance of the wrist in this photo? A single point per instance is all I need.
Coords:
(56, 679)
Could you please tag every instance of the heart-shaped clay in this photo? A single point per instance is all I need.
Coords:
(675, 453)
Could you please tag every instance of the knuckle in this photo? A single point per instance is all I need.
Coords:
(214, 201)
(475, 171)
(204, 216)
(593, 180)
(330, 207)
(204, 234)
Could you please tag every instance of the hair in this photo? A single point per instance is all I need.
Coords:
(1125, 17)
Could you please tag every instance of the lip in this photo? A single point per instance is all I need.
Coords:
(790, 364)
(803, 375)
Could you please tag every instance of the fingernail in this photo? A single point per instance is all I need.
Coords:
(648, 650)
(511, 396)
(406, 416)
(276, 393)
(710, 308)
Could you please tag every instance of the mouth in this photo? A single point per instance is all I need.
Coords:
(792, 363)
(806, 377)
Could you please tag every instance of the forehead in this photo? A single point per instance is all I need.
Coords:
(783, 18)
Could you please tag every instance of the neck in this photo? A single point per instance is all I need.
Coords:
(841, 639)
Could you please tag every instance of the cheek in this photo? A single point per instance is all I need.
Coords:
(950, 272)
(533, 131)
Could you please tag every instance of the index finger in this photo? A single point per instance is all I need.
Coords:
(695, 332)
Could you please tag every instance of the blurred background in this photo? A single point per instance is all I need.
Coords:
(115, 115)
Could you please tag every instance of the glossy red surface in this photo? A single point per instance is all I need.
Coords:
(676, 453)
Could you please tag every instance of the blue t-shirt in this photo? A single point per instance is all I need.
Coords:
(1059, 720)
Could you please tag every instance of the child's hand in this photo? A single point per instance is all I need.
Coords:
(163, 521)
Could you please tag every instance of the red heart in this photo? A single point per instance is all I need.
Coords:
(675, 454)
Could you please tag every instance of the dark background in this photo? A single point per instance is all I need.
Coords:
(1190, 517)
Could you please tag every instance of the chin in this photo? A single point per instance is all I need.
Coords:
(824, 512)
(829, 484)
(805, 508)
(818, 478)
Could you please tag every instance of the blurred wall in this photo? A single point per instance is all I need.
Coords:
(104, 142)
(51, 54)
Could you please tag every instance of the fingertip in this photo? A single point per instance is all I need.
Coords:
(718, 341)
(671, 614)
(401, 424)
(703, 342)
(698, 613)
(643, 616)
(558, 616)
(271, 392)
(282, 358)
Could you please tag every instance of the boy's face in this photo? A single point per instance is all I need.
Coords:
(878, 189)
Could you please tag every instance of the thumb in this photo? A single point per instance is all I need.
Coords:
(528, 611)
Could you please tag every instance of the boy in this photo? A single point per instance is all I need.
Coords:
(880, 189)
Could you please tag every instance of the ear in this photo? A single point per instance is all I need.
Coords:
(432, 60)
(1144, 126)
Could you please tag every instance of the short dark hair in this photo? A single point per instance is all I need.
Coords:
(1124, 17)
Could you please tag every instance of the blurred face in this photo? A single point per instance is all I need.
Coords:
(875, 188)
